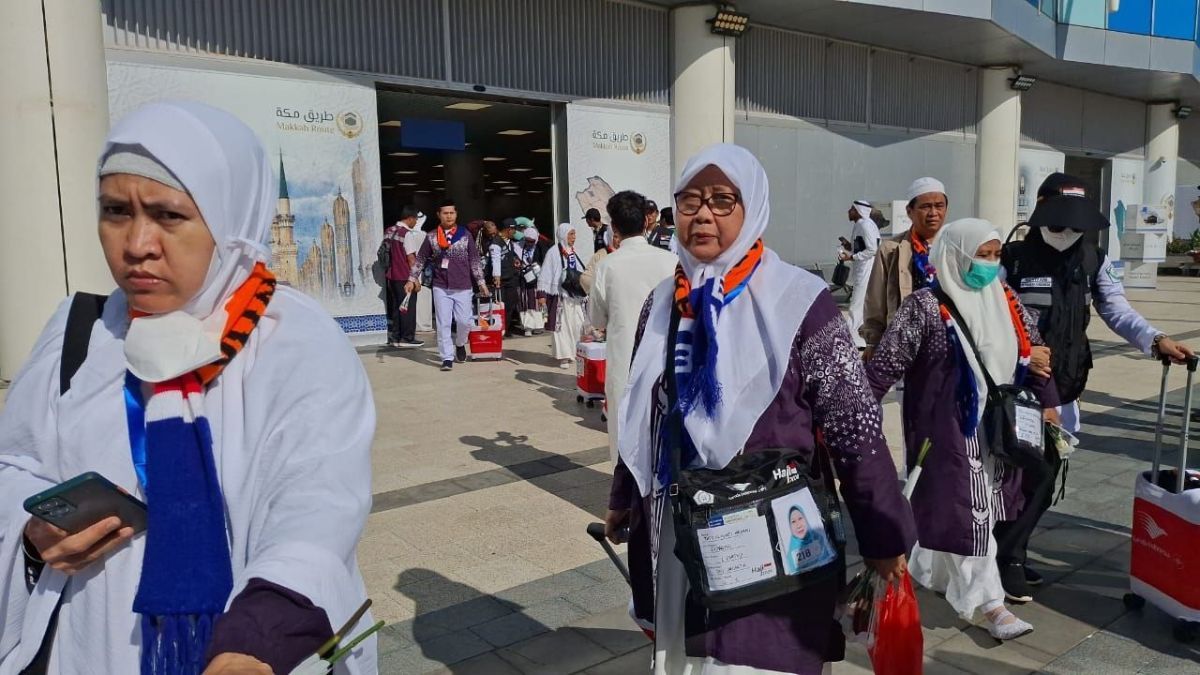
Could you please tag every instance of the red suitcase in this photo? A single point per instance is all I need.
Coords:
(487, 334)
(1165, 562)
(589, 376)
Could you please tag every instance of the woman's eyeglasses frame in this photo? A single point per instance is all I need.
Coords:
(706, 201)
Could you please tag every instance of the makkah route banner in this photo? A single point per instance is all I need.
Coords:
(322, 137)
(610, 150)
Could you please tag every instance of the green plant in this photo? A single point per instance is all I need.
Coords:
(1182, 246)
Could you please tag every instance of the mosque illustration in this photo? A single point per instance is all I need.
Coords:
(330, 268)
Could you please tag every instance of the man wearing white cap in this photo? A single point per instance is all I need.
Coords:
(902, 265)
(864, 244)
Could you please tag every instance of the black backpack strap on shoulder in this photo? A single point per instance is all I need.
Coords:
(86, 309)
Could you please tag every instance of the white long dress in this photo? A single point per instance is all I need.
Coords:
(969, 582)
(571, 319)
(292, 418)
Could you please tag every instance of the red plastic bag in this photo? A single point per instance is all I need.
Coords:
(896, 645)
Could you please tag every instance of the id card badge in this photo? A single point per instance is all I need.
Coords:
(445, 263)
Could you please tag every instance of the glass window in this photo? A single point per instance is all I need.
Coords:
(1134, 16)
(1174, 18)
(1083, 12)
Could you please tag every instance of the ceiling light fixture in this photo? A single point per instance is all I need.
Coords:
(402, 154)
(439, 166)
(1022, 82)
(514, 132)
(467, 105)
(493, 159)
(543, 150)
(407, 184)
(391, 123)
(729, 22)
(1183, 112)
(518, 168)
(535, 192)
(406, 173)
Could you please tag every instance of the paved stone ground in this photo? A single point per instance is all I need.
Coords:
(486, 477)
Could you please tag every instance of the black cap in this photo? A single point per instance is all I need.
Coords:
(668, 216)
(592, 214)
(651, 206)
(1062, 201)
(507, 224)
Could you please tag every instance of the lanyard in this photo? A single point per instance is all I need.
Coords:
(135, 416)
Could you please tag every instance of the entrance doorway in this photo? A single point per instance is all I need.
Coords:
(493, 158)
(1096, 174)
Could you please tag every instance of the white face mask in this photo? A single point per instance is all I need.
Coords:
(1061, 241)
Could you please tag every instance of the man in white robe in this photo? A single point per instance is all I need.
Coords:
(864, 242)
(624, 279)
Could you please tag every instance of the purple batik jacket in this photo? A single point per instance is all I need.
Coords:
(953, 498)
(825, 387)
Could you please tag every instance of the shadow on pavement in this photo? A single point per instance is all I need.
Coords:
(520, 630)
(560, 388)
(564, 477)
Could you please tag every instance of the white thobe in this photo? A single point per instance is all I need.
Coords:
(624, 280)
(292, 420)
(867, 233)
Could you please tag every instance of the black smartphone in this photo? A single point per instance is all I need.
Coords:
(85, 500)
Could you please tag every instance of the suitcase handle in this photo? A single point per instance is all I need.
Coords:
(1185, 431)
(596, 531)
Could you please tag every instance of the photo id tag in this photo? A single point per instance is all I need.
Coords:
(445, 263)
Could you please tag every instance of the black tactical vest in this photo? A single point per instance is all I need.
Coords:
(1059, 294)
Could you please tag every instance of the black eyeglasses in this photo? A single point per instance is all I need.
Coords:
(1058, 229)
(720, 203)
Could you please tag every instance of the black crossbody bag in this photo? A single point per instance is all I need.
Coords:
(1012, 414)
(734, 526)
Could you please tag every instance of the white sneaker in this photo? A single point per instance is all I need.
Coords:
(1004, 625)
(566, 365)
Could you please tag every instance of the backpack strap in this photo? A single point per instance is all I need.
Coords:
(86, 309)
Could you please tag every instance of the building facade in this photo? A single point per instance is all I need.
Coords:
(840, 99)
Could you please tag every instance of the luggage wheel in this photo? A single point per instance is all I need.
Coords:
(603, 418)
(579, 399)
(590, 403)
(1186, 631)
(1133, 601)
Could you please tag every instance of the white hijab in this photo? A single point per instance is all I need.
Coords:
(224, 167)
(756, 331)
(985, 311)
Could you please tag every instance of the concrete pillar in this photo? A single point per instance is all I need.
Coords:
(55, 99)
(998, 143)
(702, 93)
(1158, 189)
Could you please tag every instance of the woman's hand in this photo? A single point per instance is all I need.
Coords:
(72, 553)
(1051, 415)
(889, 569)
(1039, 361)
(614, 520)
(230, 663)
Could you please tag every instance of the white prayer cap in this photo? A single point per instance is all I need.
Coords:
(925, 185)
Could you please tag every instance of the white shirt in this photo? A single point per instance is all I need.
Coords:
(624, 280)
(413, 239)
(865, 229)
(1114, 309)
(292, 419)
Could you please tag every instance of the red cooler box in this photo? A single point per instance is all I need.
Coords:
(487, 335)
(590, 366)
(1164, 566)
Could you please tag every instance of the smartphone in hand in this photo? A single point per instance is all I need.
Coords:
(85, 500)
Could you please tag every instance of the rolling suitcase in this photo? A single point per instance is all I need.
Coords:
(1165, 560)
(487, 334)
(589, 372)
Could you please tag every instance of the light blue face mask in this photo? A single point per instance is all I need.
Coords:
(518, 235)
(981, 273)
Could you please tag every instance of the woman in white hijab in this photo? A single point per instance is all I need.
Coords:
(763, 360)
(963, 491)
(237, 411)
(560, 278)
